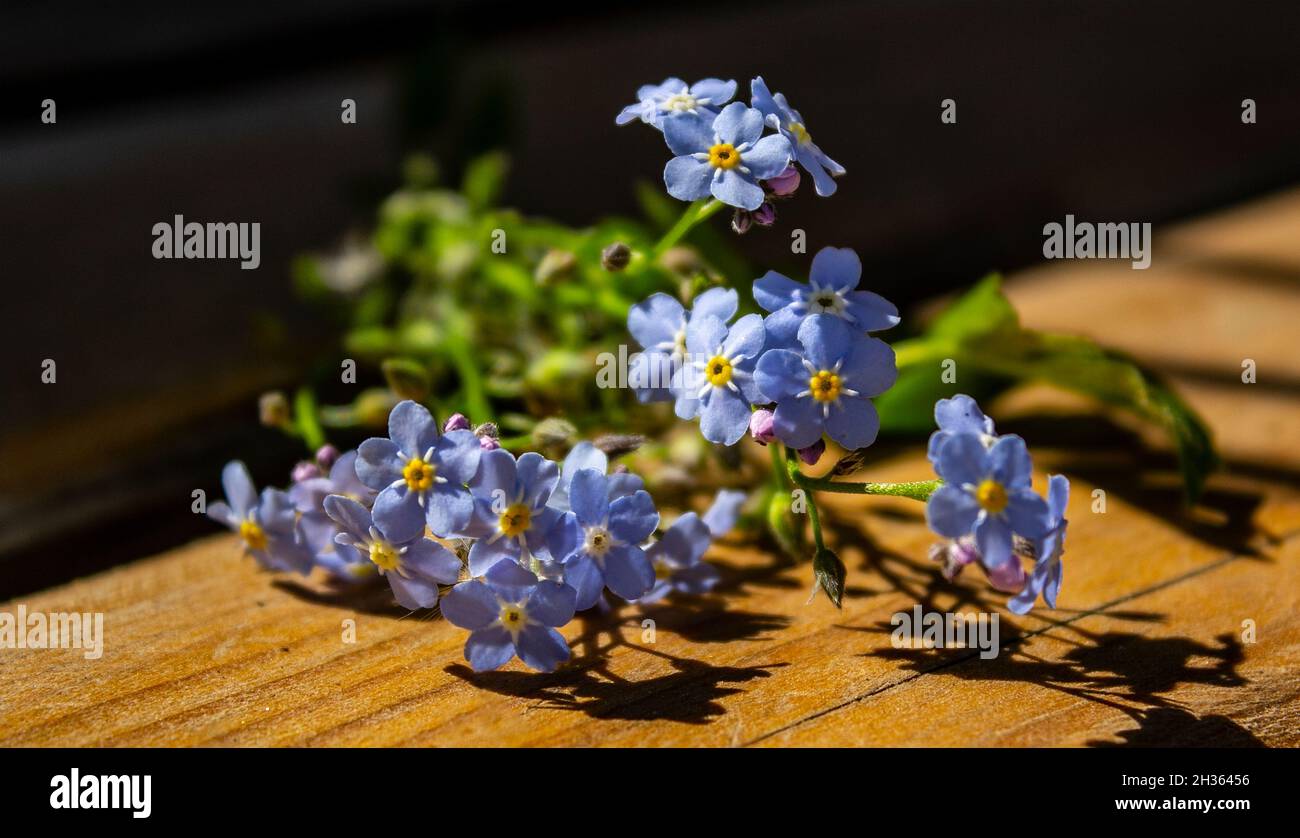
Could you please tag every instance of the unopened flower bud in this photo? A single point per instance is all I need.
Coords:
(615, 257)
(761, 426)
(456, 422)
(681, 260)
(554, 432)
(273, 409)
(326, 456)
(765, 215)
(785, 183)
(616, 445)
(741, 222)
(487, 429)
(555, 265)
(813, 453)
(489, 443)
(305, 470)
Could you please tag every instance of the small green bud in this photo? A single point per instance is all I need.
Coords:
(555, 265)
(781, 524)
(554, 433)
(616, 445)
(273, 409)
(828, 573)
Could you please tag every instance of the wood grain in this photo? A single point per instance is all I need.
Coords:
(202, 648)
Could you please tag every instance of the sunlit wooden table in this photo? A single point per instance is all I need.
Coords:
(1175, 627)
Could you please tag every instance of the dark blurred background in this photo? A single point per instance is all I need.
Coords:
(229, 111)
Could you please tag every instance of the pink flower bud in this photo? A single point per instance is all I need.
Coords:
(326, 456)
(488, 443)
(785, 183)
(761, 423)
(456, 422)
(813, 453)
(305, 471)
(765, 215)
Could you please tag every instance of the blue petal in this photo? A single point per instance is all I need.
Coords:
(623, 484)
(718, 92)
(993, 538)
(276, 512)
(430, 560)
(870, 367)
(585, 578)
(1009, 461)
(961, 414)
(813, 162)
(471, 605)
(544, 520)
(650, 374)
(687, 136)
(221, 512)
(411, 426)
(837, 267)
(686, 178)
(798, 422)
(682, 544)
(511, 582)
(655, 320)
(735, 189)
(951, 512)
(448, 509)
(762, 98)
(698, 579)
(239, 488)
(489, 649)
(629, 114)
(738, 123)
(783, 328)
(774, 291)
(768, 158)
(398, 515)
(853, 422)
(551, 604)
(379, 463)
(413, 592)
(1058, 496)
(632, 519)
(704, 335)
(457, 455)
(723, 513)
(872, 312)
(484, 556)
(826, 339)
(496, 470)
(780, 375)
(542, 648)
(963, 460)
(354, 518)
(725, 417)
(1027, 513)
(589, 497)
(745, 338)
(537, 477)
(716, 302)
(565, 537)
(628, 572)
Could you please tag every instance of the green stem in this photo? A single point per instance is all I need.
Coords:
(698, 211)
(306, 422)
(916, 490)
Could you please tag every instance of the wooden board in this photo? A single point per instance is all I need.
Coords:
(1146, 648)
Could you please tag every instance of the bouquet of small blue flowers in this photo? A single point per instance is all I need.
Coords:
(510, 543)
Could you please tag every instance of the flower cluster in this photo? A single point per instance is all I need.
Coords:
(987, 509)
(541, 541)
(807, 369)
(720, 150)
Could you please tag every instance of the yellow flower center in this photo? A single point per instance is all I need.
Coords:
(801, 134)
(724, 156)
(718, 371)
(418, 475)
(680, 102)
(384, 556)
(513, 617)
(825, 386)
(515, 520)
(991, 496)
(254, 536)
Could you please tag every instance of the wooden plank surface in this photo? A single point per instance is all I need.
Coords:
(201, 648)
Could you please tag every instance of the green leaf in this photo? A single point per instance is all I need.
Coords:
(982, 334)
(407, 378)
(484, 178)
